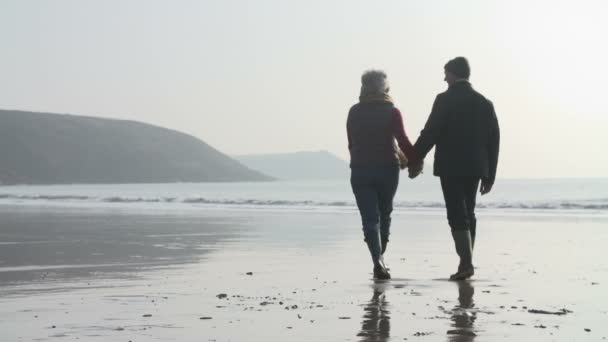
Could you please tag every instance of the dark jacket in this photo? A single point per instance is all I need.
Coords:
(372, 128)
(464, 130)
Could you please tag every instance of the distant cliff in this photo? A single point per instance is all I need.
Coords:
(298, 165)
(43, 148)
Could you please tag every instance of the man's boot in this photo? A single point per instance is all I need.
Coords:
(473, 230)
(464, 249)
(372, 237)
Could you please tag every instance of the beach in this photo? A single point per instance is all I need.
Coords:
(198, 171)
(115, 274)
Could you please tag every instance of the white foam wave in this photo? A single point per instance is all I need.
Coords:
(587, 204)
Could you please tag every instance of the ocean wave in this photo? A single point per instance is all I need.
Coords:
(45, 197)
(559, 205)
(588, 204)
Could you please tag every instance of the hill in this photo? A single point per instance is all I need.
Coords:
(44, 148)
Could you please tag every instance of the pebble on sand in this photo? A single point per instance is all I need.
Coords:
(545, 312)
(461, 332)
(587, 330)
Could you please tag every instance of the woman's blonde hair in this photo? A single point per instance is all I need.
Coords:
(374, 82)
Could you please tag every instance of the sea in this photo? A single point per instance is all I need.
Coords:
(587, 196)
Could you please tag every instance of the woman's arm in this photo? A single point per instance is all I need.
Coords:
(402, 140)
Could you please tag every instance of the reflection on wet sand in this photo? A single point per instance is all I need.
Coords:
(54, 245)
(463, 315)
(376, 325)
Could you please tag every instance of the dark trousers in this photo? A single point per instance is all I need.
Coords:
(460, 194)
(374, 189)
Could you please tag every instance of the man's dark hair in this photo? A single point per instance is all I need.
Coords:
(459, 66)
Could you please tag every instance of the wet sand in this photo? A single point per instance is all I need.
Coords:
(211, 275)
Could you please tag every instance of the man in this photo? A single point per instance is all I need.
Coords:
(464, 130)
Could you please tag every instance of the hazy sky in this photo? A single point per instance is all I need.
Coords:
(279, 76)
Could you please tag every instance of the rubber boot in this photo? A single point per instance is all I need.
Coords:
(473, 229)
(380, 271)
(372, 237)
(464, 249)
(385, 226)
(384, 242)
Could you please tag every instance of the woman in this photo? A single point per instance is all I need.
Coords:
(373, 125)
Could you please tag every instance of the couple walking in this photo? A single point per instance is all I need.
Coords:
(464, 130)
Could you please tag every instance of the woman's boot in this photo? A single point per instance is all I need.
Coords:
(372, 237)
(384, 242)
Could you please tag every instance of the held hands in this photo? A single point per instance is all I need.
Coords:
(486, 187)
(415, 169)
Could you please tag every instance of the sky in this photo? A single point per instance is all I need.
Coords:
(275, 76)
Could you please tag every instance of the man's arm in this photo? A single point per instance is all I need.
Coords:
(350, 142)
(432, 129)
(493, 144)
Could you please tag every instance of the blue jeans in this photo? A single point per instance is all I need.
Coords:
(374, 188)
